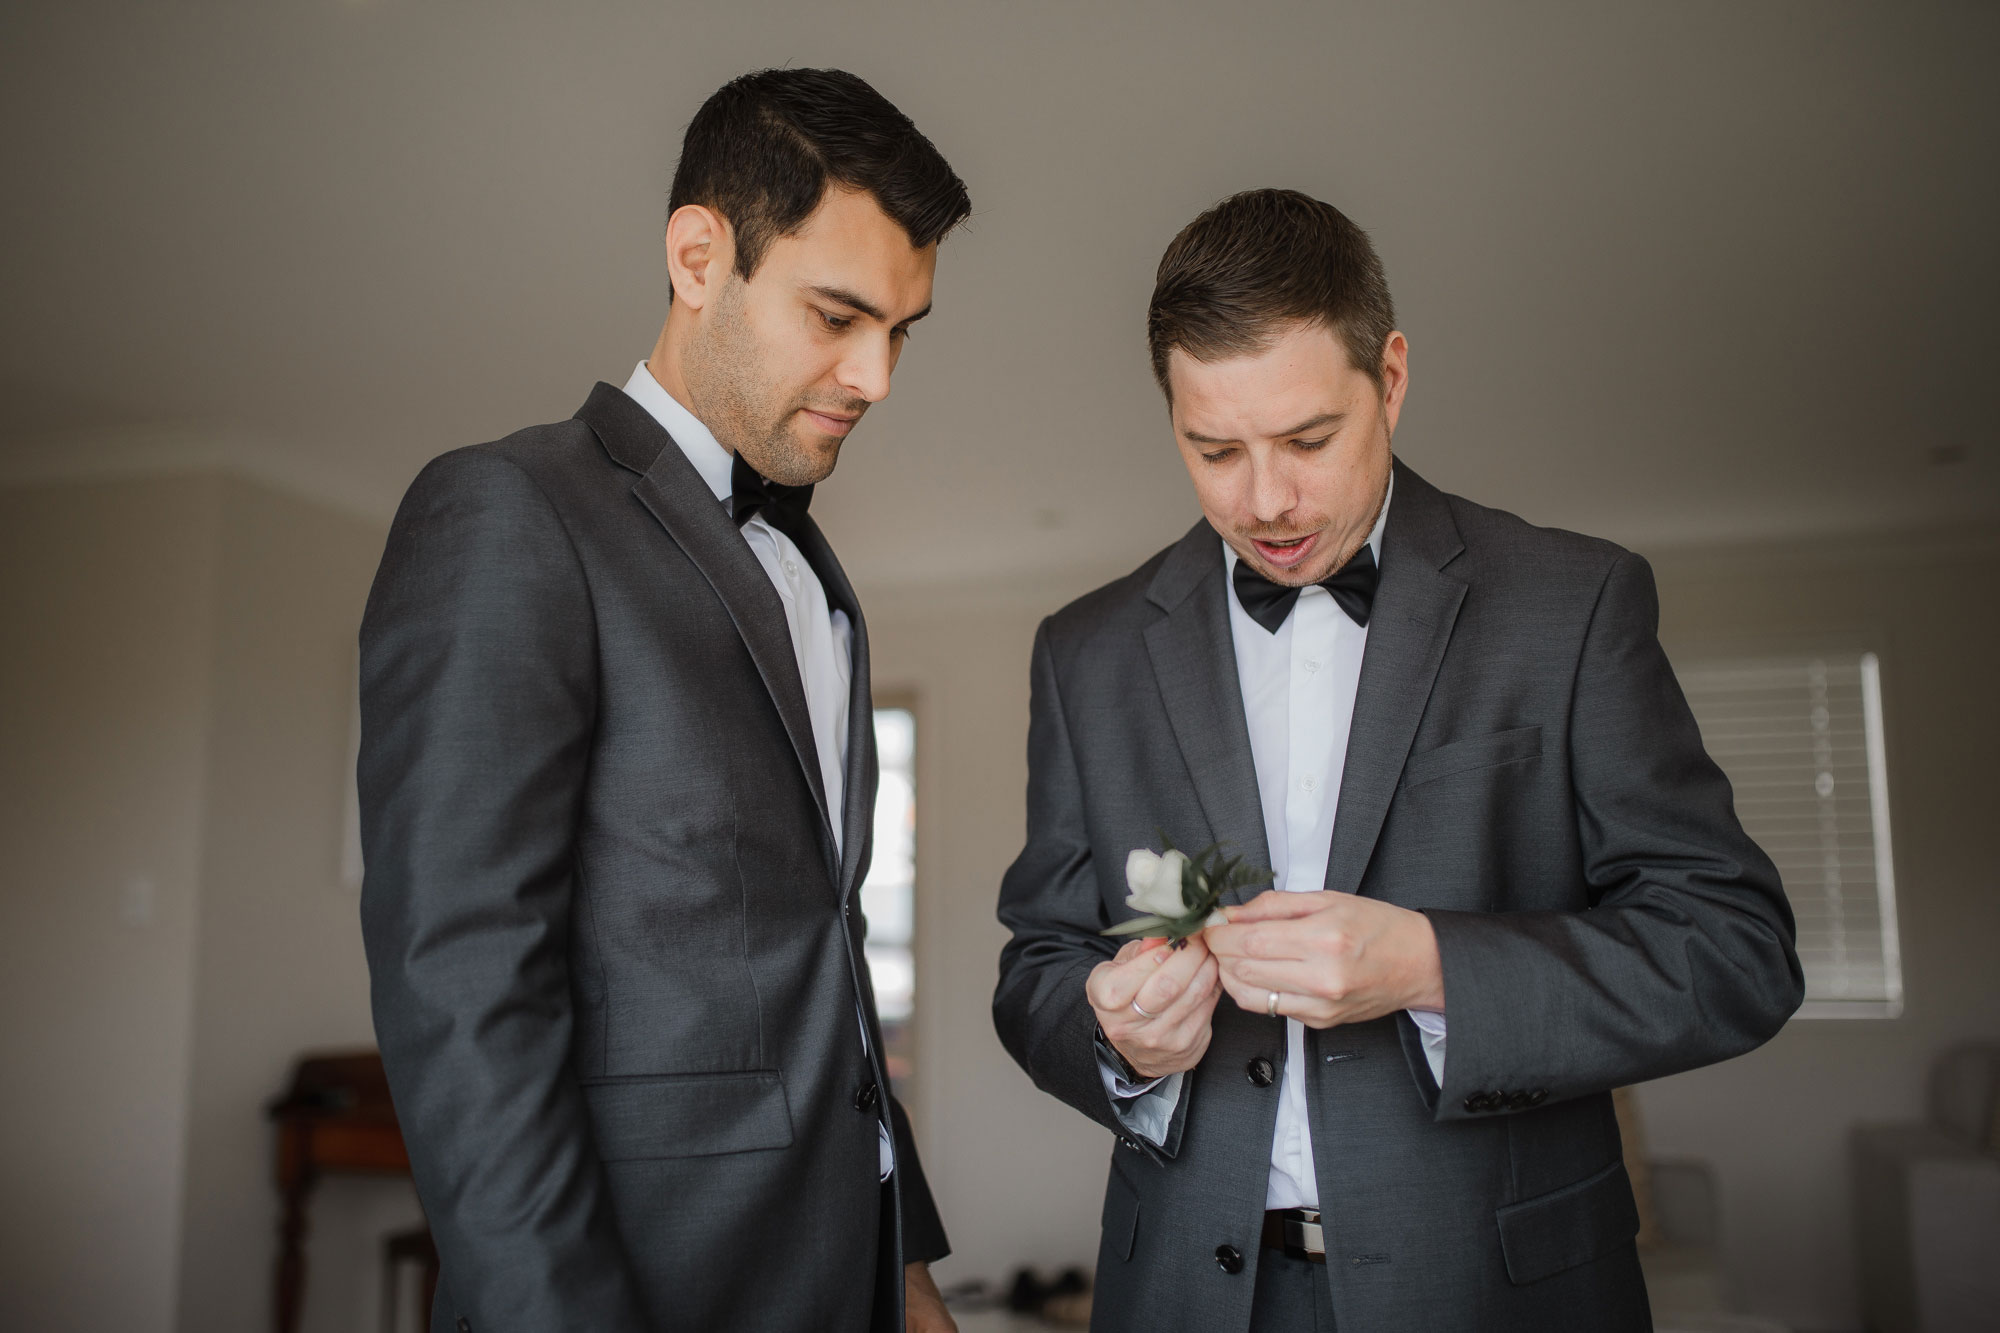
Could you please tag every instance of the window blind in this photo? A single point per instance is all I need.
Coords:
(1800, 738)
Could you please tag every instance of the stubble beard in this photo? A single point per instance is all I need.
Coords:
(736, 402)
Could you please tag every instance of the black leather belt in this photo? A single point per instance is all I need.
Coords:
(1296, 1231)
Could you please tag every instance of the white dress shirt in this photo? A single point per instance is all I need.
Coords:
(1298, 687)
(822, 639)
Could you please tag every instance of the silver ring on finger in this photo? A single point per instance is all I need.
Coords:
(1141, 1012)
(1272, 1007)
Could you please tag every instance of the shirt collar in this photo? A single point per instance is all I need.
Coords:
(1374, 542)
(714, 462)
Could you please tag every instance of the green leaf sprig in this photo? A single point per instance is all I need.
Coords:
(1205, 879)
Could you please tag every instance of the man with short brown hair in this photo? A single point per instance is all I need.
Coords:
(1507, 877)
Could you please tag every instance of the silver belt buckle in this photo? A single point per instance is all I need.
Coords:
(1303, 1231)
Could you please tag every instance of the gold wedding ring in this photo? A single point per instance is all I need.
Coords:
(1272, 1007)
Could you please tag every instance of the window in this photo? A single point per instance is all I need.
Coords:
(1800, 738)
(888, 895)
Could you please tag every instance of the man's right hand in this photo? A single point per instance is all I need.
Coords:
(1155, 1004)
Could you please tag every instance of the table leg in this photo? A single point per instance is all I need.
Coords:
(295, 1181)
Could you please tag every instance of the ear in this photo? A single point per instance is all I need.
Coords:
(1395, 376)
(699, 253)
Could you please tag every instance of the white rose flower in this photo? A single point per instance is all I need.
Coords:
(1168, 904)
(1155, 882)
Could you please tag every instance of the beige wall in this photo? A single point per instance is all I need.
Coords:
(1775, 1122)
(175, 700)
(278, 962)
(1019, 1176)
(106, 593)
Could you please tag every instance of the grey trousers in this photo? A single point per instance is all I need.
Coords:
(1292, 1296)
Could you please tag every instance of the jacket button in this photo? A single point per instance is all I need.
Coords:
(868, 1097)
(1538, 1096)
(1479, 1101)
(1229, 1259)
(464, 1325)
(1516, 1101)
(1261, 1071)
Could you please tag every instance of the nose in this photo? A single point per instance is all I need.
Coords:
(865, 372)
(1272, 494)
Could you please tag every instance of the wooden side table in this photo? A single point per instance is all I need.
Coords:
(335, 1118)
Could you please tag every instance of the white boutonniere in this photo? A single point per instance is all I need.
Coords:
(1180, 894)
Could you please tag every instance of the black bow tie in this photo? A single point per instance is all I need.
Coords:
(1268, 603)
(752, 493)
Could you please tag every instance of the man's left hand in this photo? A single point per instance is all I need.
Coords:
(1332, 958)
(923, 1306)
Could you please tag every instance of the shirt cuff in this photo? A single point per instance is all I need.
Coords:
(1151, 1114)
(1147, 1109)
(1121, 1088)
(1431, 1029)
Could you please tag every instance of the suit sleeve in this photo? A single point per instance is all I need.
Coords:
(478, 696)
(1050, 902)
(1685, 956)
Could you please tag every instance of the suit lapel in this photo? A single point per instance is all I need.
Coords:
(1194, 661)
(1416, 606)
(671, 489)
(857, 835)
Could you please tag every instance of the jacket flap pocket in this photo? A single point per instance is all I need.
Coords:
(1121, 1218)
(688, 1115)
(1544, 1235)
(1500, 747)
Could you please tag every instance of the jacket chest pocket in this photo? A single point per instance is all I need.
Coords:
(1474, 752)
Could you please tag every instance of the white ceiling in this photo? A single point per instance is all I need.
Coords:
(1671, 273)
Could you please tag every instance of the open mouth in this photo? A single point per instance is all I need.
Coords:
(1286, 554)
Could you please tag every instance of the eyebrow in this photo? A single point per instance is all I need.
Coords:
(841, 296)
(1310, 423)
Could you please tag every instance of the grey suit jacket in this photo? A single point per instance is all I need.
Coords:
(1522, 768)
(615, 959)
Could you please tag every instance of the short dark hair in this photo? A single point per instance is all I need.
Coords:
(763, 149)
(1262, 260)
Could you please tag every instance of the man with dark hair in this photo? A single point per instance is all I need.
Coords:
(1507, 877)
(618, 777)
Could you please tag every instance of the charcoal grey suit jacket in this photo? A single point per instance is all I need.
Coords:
(615, 958)
(1522, 768)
